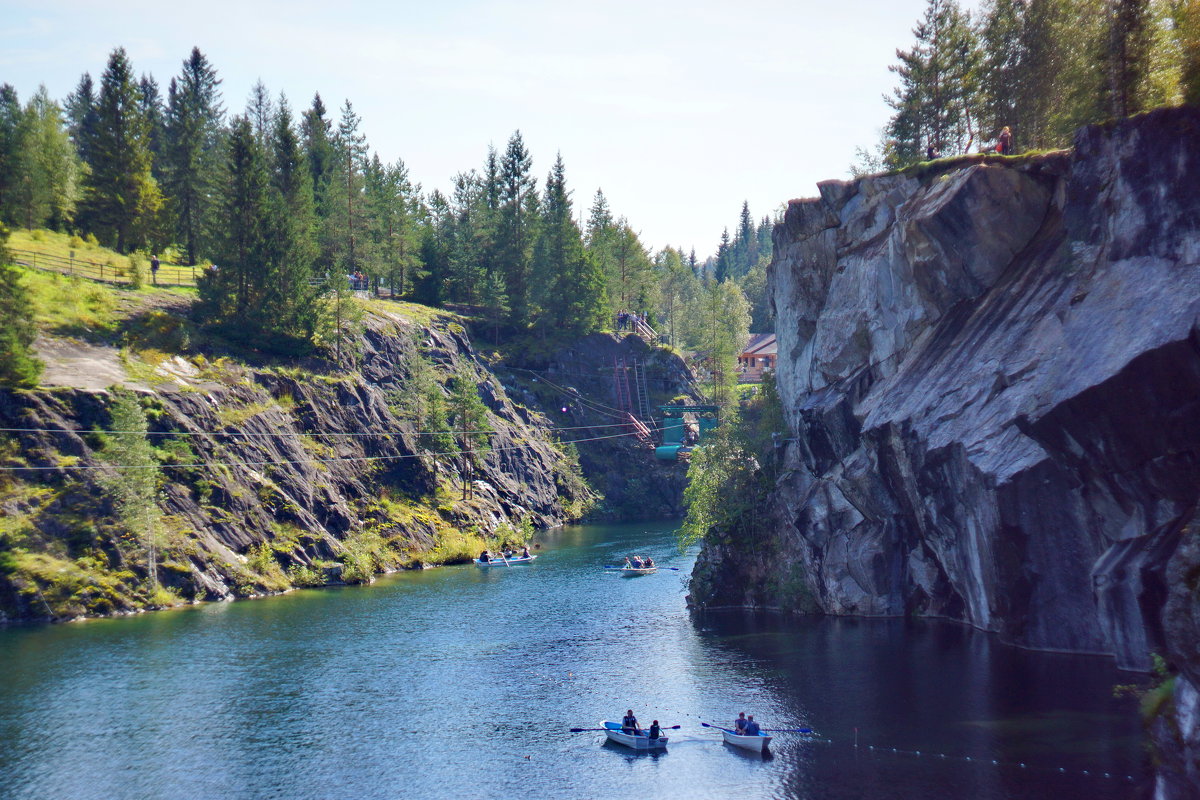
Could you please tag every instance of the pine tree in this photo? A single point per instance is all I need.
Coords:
(292, 304)
(724, 266)
(11, 119)
(1127, 57)
(1185, 18)
(193, 152)
(317, 132)
(133, 483)
(82, 116)
(260, 110)
(571, 288)
(1002, 66)
(18, 366)
(152, 110)
(468, 415)
(121, 200)
(518, 203)
(233, 293)
(343, 239)
(933, 102)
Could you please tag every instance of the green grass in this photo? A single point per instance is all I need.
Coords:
(87, 258)
(923, 170)
(421, 315)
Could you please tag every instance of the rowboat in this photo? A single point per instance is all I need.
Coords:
(631, 572)
(638, 741)
(499, 562)
(758, 742)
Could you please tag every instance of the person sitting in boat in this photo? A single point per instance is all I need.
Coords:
(630, 724)
(752, 728)
(525, 552)
(647, 562)
(739, 725)
(485, 556)
(655, 731)
(637, 562)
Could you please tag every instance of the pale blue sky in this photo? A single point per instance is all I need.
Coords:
(679, 110)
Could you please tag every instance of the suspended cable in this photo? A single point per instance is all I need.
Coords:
(337, 459)
(286, 434)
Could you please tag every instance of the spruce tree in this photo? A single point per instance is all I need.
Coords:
(11, 120)
(81, 115)
(1185, 17)
(121, 201)
(292, 304)
(317, 132)
(233, 293)
(1127, 57)
(193, 152)
(570, 287)
(468, 415)
(518, 203)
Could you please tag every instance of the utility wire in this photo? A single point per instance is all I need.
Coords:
(285, 433)
(205, 464)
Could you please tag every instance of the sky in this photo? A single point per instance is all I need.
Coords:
(679, 110)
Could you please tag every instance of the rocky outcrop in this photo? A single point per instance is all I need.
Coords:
(991, 373)
(575, 384)
(265, 471)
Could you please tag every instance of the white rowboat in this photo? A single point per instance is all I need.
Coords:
(499, 562)
(630, 572)
(758, 742)
(639, 741)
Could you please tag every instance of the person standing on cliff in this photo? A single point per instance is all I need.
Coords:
(1004, 142)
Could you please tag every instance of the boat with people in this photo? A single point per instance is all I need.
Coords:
(638, 740)
(505, 560)
(630, 572)
(758, 742)
(638, 565)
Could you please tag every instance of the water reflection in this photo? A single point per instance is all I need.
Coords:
(465, 682)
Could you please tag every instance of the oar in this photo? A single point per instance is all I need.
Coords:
(660, 727)
(505, 558)
(654, 567)
(764, 730)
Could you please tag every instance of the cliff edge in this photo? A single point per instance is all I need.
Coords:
(990, 368)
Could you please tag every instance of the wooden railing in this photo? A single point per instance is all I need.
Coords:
(168, 274)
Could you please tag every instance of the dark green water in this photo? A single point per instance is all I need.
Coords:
(461, 682)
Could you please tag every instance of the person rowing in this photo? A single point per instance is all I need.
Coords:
(752, 728)
(637, 562)
(655, 731)
(629, 723)
(739, 725)
(648, 562)
(485, 556)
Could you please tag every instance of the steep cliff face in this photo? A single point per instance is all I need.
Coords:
(991, 372)
(271, 477)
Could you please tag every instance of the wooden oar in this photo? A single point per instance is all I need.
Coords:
(640, 730)
(718, 727)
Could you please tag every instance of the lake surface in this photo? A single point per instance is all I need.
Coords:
(463, 682)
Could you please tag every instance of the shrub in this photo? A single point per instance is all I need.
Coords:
(92, 240)
(75, 242)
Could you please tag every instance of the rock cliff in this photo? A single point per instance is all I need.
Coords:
(272, 476)
(991, 373)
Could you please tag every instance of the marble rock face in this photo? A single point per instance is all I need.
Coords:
(991, 373)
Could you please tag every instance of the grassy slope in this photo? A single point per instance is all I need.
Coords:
(76, 570)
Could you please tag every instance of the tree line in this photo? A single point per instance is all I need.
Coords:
(288, 209)
(1041, 68)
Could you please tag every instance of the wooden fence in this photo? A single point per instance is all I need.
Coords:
(168, 274)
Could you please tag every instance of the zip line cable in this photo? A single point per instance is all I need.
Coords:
(339, 459)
